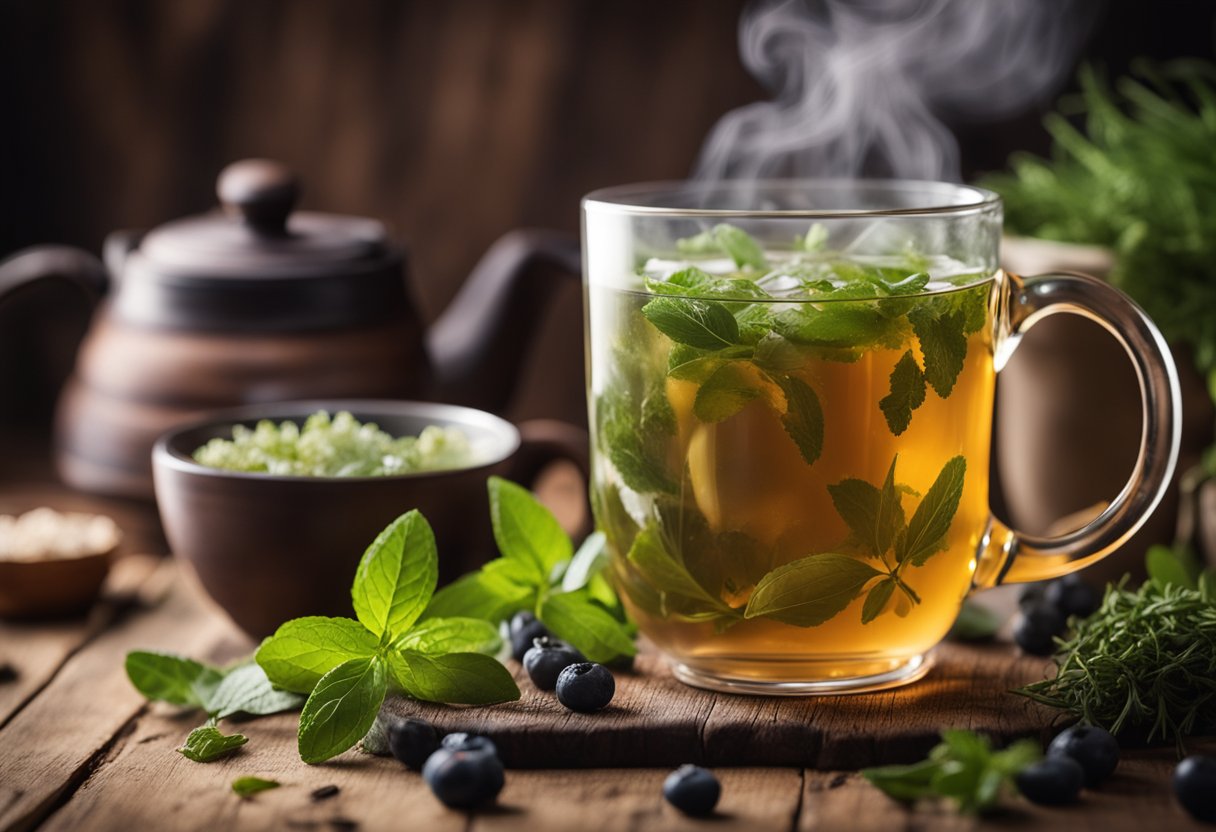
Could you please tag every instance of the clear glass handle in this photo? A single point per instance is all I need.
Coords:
(1008, 556)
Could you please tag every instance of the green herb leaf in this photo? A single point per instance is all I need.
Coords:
(573, 617)
(342, 708)
(724, 393)
(837, 324)
(1166, 566)
(707, 325)
(943, 344)
(907, 783)
(803, 417)
(815, 239)
(454, 678)
(588, 561)
(247, 690)
(483, 594)
(778, 355)
(249, 786)
(874, 516)
(929, 524)
(665, 573)
(741, 246)
(165, 677)
(525, 530)
(907, 394)
(876, 600)
(811, 590)
(975, 622)
(452, 635)
(206, 743)
(396, 576)
(305, 649)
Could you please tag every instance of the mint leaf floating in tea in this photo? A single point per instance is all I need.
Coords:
(741, 247)
(536, 557)
(707, 325)
(803, 417)
(346, 666)
(811, 590)
(207, 743)
(943, 344)
(249, 786)
(926, 533)
(907, 394)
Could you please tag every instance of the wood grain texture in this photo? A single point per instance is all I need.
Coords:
(656, 720)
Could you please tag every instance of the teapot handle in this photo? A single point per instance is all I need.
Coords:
(478, 346)
(31, 265)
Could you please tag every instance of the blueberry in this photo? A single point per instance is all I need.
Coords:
(1072, 596)
(1094, 748)
(1195, 787)
(463, 779)
(412, 741)
(1031, 595)
(1055, 781)
(585, 687)
(461, 741)
(1037, 628)
(524, 629)
(692, 790)
(548, 658)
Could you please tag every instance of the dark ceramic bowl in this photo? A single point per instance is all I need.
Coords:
(270, 548)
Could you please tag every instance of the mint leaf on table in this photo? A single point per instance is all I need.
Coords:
(341, 708)
(907, 394)
(247, 690)
(165, 677)
(589, 560)
(943, 345)
(574, 618)
(485, 595)
(803, 417)
(932, 518)
(526, 532)
(304, 649)
(249, 786)
(452, 635)
(698, 323)
(809, 591)
(455, 678)
(206, 743)
(396, 576)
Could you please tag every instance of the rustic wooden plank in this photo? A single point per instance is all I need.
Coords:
(656, 720)
(54, 742)
(37, 650)
(145, 784)
(631, 799)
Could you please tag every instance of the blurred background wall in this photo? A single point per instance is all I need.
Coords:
(452, 120)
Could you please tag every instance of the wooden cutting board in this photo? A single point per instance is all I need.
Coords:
(655, 720)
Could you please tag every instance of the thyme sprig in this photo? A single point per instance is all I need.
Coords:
(1145, 661)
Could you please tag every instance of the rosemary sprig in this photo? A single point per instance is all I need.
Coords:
(1145, 661)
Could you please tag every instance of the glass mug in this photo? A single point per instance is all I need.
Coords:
(790, 386)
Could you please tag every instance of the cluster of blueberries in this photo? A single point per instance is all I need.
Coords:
(464, 770)
(1046, 608)
(1083, 756)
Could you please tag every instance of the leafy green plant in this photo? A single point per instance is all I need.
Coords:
(963, 768)
(346, 666)
(1146, 660)
(244, 689)
(249, 786)
(1139, 180)
(539, 571)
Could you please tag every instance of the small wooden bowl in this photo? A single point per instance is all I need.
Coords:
(57, 587)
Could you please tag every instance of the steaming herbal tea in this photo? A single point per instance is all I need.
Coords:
(792, 466)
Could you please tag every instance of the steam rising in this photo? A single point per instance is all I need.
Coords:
(861, 86)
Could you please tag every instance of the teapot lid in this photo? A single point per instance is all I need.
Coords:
(257, 233)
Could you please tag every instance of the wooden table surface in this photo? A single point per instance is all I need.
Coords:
(80, 749)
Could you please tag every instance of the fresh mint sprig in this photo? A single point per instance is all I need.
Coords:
(207, 743)
(540, 572)
(963, 768)
(346, 666)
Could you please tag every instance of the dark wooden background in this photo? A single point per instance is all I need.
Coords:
(453, 120)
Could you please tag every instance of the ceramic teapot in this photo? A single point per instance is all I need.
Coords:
(259, 303)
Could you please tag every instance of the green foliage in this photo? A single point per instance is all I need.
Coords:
(963, 768)
(206, 743)
(249, 786)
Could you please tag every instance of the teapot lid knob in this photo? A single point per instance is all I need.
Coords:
(260, 191)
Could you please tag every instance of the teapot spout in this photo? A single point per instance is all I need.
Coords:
(479, 344)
